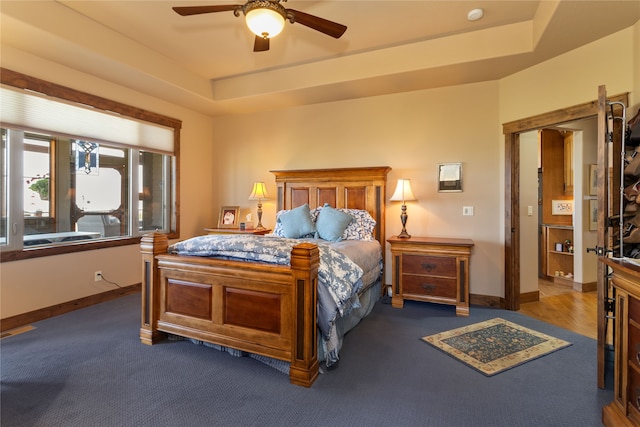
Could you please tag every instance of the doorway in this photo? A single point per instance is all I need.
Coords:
(555, 197)
(557, 282)
(512, 131)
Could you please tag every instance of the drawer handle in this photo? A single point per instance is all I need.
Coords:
(429, 288)
(429, 267)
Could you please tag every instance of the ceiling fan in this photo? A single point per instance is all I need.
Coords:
(266, 18)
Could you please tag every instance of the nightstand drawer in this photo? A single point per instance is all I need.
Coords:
(431, 265)
(429, 286)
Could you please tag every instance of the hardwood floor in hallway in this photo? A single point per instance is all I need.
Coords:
(564, 307)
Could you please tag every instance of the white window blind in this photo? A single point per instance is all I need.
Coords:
(40, 113)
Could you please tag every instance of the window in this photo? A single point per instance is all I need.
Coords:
(73, 187)
(4, 232)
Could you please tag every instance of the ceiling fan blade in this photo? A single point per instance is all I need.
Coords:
(261, 44)
(197, 10)
(325, 26)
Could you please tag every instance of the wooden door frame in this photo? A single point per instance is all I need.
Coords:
(512, 131)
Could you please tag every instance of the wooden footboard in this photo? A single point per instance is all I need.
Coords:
(259, 308)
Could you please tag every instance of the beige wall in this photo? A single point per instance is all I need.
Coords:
(529, 228)
(411, 132)
(572, 78)
(32, 284)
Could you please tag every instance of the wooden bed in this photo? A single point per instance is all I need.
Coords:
(256, 307)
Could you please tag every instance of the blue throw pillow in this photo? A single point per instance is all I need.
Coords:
(297, 222)
(331, 223)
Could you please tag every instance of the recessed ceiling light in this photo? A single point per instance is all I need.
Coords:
(475, 14)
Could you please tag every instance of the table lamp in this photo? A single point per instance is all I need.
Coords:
(259, 192)
(403, 193)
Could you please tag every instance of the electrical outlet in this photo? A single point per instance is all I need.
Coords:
(97, 276)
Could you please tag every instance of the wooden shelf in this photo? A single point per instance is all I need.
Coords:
(561, 253)
(558, 261)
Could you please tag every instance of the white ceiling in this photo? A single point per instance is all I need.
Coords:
(206, 62)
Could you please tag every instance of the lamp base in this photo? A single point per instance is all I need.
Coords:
(259, 226)
(403, 218)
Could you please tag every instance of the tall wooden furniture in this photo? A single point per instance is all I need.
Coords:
(623, 286)
(625, 408)
(431, 269)
(556, 167)
(556, 181)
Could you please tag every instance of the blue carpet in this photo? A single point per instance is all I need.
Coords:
(88, 368)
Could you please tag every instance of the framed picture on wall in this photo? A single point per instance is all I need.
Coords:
(593, 215)
(449, 177)
(593, 180)
(562, 207)
(229, 217)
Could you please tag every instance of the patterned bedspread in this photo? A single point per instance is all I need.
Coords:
(339, 276)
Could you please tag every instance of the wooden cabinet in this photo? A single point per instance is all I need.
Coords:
(556, 169)
(558, 257)
(625, 408)
(431, 270)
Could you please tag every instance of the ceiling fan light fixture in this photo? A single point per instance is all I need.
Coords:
(265, 22)
(266, 19)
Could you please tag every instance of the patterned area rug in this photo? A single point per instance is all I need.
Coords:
(495, 345)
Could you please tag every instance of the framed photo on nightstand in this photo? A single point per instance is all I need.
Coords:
(229, 217)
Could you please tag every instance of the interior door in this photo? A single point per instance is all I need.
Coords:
(610, 147)
(603, 206)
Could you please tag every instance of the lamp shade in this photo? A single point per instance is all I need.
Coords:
(259, 191)
(403, 191)
(264, 22)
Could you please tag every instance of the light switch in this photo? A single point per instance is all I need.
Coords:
(529, 210)
(467, 210)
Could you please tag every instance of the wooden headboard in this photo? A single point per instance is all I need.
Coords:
(351, 188)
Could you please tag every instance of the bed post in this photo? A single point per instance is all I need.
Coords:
(304, 355)
(151, 244)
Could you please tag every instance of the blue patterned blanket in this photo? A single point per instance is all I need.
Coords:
(339, 277)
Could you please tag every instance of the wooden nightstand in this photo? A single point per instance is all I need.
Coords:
(237, 231)
(431, 269)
